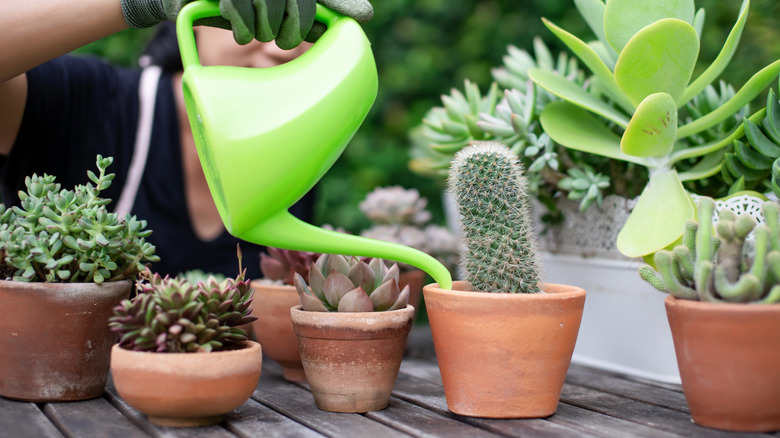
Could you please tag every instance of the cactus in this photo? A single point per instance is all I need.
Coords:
(176, 316)
(723, 267)
(341, 284)
(489, 186)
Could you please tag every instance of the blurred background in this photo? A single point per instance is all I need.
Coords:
(424, 48)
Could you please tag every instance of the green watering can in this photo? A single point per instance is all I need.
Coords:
(265, 136)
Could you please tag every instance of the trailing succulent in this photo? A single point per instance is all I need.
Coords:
(173, 315)
(347, 284)
(281, 265)
(490, 189)
(723, 267)
(59, 235)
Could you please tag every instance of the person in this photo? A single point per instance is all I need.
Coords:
(57, 111)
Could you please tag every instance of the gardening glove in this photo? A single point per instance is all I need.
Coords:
(288, 22)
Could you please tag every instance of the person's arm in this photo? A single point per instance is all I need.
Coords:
(35, 31)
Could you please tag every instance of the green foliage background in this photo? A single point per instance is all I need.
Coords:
(423, 48)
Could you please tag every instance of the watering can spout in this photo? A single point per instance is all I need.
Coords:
(284, 230)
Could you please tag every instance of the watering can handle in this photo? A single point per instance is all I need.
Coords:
(208, 8)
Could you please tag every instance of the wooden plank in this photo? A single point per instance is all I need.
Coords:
(297, 403)
(431, 396)
(613, 383)
(422, 369)
(25, 420)
(140, 420)
(420, 422)
(95, 418)
(604, 425)
(653, 416)
(253, 419)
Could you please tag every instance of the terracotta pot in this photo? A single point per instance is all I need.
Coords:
(729, 356)
(352, 359)
(503, 355)
(415, 280)
(55, 340)
(273, 327)
(186, 389)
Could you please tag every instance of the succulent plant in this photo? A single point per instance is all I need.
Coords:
(59, 235)
(489, 186)
(395, 205)
(174, 315)
(347, 284)
(722, 267)
(282, 264)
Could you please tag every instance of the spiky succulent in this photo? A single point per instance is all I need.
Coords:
(175, 316)
(59, 235)
(722, 267)
(347, 284)
(282, 264)
(489, 187)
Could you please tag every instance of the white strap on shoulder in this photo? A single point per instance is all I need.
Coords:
(147, 95)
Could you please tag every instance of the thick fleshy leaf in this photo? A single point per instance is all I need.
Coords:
(312, 304)
(624, 18)
(385, 295)
(403, 299)
(336, 285)
(593, 13)
(392, 274)
(568, 90)
(659, 58)
(745, 95)
(272, 268)
(659, 217)
(355, 300)
(379, 268)
(316, 281)
(333, 262)
(652, 129)
(361, 275)
(724, 57)
(593, 61)
(576, 128)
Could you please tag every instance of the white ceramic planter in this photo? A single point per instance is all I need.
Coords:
(624, 326)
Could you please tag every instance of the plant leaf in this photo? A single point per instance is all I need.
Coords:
(593, 61)
(593, 13)
(652, 129)
(706, 167)
(659, 58)
(722, 60)
(567, 90)
(575, 128)
(659, 217)
(747, 93)
(624, 18)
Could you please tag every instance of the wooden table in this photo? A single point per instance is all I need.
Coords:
(594, 403)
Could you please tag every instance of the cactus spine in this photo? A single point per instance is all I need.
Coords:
(489, 186)
(719, 267)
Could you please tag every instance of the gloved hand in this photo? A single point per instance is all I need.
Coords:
(289, 22)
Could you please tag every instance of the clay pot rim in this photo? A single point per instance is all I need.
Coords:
(37, 285)
(352, 315)
(256, 284)
(706, 306)
(249, 346)
(461, 289)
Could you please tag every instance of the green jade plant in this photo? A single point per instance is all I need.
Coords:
(722, 267)
(643, 61)
(499, 243)
(348, 284)
(59, 235)
(175, 316)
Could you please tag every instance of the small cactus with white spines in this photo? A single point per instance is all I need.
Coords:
(489, 186)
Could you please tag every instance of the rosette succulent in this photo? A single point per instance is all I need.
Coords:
(347, 284)
(281, 265)
(174, 315)
(57, 235)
